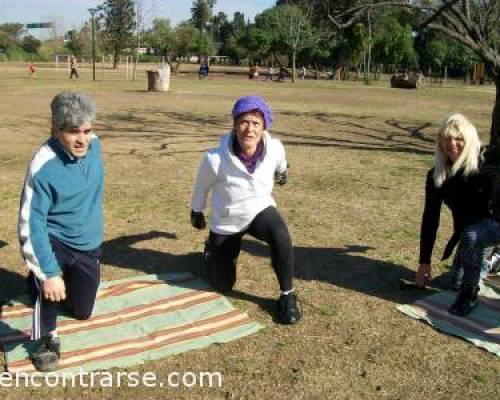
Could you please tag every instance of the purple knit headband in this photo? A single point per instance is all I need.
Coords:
(253, 103)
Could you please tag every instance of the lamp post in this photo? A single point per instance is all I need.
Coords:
(92, 13)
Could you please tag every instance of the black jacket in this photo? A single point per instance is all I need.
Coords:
(489, 181)
(467, 200)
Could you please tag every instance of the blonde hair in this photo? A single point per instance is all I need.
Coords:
(456, 126)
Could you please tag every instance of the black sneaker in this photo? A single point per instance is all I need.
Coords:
(288, 312)
(466, 301)
(46, 356)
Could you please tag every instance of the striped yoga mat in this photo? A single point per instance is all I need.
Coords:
(481, 326)
(136, 319)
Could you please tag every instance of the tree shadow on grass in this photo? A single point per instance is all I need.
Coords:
(125, 252)
(349, 268)
(12, 284)
(346, 267)
(349, 132)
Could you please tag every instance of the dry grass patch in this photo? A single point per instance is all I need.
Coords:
(358, 157)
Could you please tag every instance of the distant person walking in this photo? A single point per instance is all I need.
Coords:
(255, 72)
(203, 71)
(271, 73)
(31, 69)
(74, 68)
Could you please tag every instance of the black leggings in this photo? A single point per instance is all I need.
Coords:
(221, 252)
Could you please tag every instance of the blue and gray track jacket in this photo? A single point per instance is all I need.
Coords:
(62, 198)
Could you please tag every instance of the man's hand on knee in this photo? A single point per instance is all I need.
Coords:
(54, 289)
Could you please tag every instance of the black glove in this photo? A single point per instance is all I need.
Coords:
(281, 177)
(198, 220)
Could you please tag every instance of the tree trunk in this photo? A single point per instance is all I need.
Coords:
(369, 60)
(136, 61)
(338, 72)
(495, 118)
(294, 71)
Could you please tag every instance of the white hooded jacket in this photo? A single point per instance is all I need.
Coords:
(237, 195)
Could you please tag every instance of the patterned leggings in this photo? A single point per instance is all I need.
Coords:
(470, 262)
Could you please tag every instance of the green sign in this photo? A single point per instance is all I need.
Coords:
(37, 25)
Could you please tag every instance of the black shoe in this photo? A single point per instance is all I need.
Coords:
(466, 301)
(288, 312)
(46, 357)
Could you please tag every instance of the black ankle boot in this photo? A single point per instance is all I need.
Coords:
(466, 301)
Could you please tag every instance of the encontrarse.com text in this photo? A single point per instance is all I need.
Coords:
(105, 379)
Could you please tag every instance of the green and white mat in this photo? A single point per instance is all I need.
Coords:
(136, 319)
(481, 326)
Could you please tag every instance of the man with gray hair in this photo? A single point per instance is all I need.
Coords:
(61, 223)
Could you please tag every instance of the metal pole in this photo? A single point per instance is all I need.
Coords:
(92, 13)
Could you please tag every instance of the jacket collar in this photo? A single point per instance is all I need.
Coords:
(226, 145)
(64, 154)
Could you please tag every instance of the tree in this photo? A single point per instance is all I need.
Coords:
(80, 42)
(185, 43)
(30, 44)
(256, 43)
(393, 42)
(232, 37)
(119, 24)
(10, 35)
(200, 14)
(289, 30)
(162, 36)
(221, 30)
(239, 24)
(13, 30)
(203, 44)
(472, 23)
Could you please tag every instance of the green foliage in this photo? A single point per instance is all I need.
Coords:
(119, 25)
(221, 28)
(80, 42)
(283, 29)
(393, 42)
(200, 14)
(239, 24)
(434, 54)
(458, 54)
(5, 42)
(15, 53)
(203, 44)
(232, 37)
(10, 35)
(348, 47)
(13, 30)
(161, 37)
(185, 39)
(30, 44)
(50, 48)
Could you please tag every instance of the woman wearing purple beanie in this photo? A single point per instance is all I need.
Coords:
(241, 173)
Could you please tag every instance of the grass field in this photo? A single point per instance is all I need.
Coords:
(358, 157)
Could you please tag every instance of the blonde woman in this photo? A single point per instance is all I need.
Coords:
(453, 181)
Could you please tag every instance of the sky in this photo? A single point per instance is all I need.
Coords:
(70, 14)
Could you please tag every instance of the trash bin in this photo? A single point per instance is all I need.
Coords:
(159, 80)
